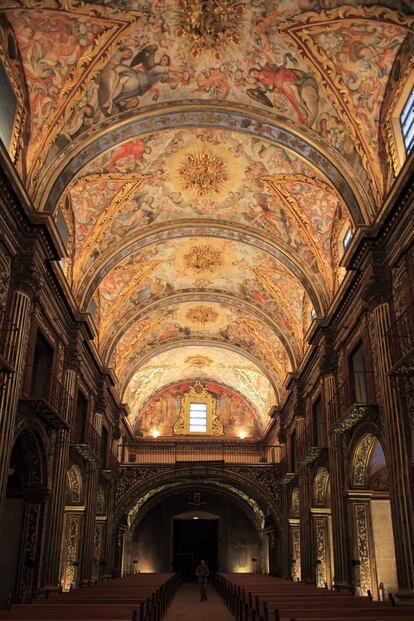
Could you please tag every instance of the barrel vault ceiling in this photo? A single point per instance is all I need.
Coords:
(207, 158)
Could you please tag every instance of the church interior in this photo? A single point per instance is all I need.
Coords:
(206, 298)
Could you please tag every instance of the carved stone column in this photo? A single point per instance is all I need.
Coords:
(60, 466)
(398, 461)
(342, 575)
(15, 352)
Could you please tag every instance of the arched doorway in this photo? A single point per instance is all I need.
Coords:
(23, 519)
(181, 526)
(195, 537)
(371, 521)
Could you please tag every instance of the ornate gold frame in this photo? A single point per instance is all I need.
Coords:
(198, 394)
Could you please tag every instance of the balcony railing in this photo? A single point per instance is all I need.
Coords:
(160, 451)
(400, 338)
(49, 400)
(357, 400)
(85, 439)
(311, 442)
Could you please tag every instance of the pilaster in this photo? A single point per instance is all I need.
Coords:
(25, 286)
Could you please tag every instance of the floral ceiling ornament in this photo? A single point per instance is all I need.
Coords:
(202, 315)
(204, 174)
(209, 25)
(203, 259)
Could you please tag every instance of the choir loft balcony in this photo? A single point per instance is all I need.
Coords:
(85, 440)
(312, 442)
(47, 399)
(400, 339)
(357, 401)
(160, 451)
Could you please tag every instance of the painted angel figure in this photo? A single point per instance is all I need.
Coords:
(120, 81)
(298, 87)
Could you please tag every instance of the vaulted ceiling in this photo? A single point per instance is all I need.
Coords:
(207, 158)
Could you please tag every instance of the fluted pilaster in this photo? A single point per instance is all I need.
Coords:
(57, 507)
(89, 525)
(14, 352)
(337, 478)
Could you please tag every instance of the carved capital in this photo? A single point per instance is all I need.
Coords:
(376, 288)
(26, 278)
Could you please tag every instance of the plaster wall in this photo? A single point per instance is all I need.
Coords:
(384, 545)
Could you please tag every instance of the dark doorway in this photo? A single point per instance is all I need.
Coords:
(194, 540)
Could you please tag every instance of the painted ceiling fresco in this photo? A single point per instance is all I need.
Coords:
(201, 322)
(207, 363)
(203, 174)
(207, 159)
(235, 414)
(210, 267)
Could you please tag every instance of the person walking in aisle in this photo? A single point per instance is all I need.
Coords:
(202, 573)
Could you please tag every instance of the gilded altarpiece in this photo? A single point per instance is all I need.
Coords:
(294, 529)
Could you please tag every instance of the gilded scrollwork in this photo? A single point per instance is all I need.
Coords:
(198, 394)
(363, 546)
(360, 460)
(321, 539)
(295, 503)
(75, 484)
(321, 488)
(295, 550)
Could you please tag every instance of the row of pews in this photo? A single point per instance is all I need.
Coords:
(264, 598)
(142, 597)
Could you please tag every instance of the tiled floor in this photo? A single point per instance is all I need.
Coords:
(187, 606)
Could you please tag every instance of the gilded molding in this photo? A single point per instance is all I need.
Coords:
(198, 394)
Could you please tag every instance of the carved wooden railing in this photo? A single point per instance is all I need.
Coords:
(357, 400)
(48, 399)
(159, 451)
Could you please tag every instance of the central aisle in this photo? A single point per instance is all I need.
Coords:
(186, 605)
